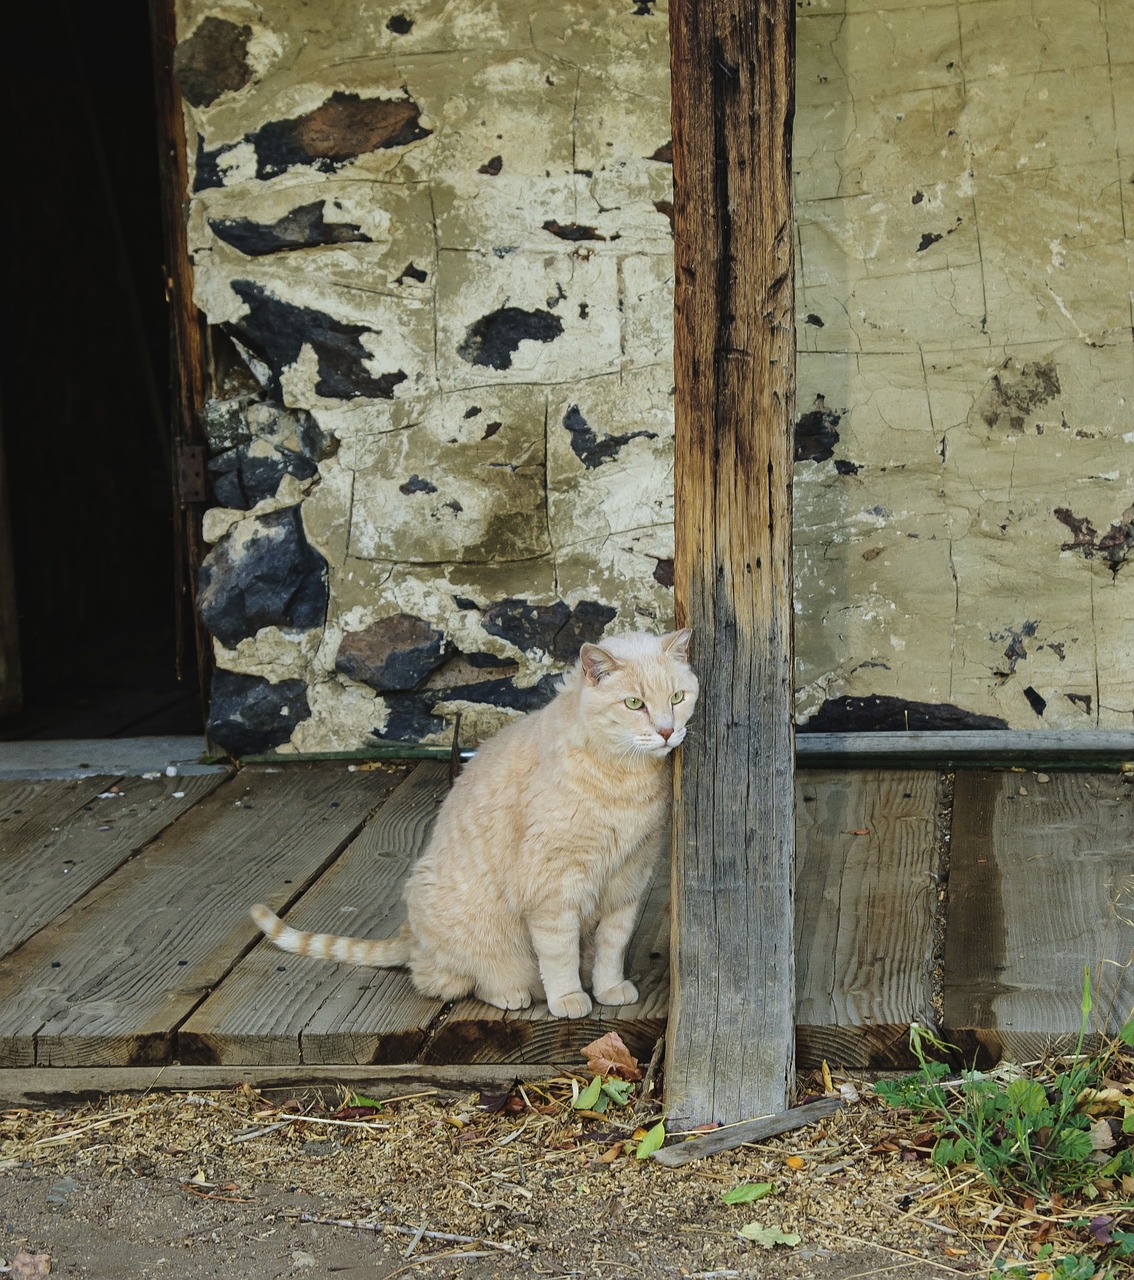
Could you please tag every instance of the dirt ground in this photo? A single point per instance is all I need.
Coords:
(238, 1184)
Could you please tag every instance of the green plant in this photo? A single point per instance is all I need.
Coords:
(1028, 1135)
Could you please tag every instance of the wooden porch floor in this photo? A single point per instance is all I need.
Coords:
(970, 901)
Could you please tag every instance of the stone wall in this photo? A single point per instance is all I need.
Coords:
(433, 243)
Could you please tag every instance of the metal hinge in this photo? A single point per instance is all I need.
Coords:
(191, 485)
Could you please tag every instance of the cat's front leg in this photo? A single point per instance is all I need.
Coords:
(556, 943)
(612, 937)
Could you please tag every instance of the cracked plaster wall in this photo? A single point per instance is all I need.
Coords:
(436, 238)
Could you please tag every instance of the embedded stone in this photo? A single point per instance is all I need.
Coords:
(411, 717)
(392, 654)
(816, 433)
(302, 228)
(248, 714)
(555, 628)
(276, 331)
(586, 624)
(879, 712)
(495, 338)
(586, 445)
(212, 61)
(263, 573)
(343, 128)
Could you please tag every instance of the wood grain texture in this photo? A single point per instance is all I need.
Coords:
(868, 868)
(1041, 887)
(68, 840)
(473, 1031)
(32, 1086)
(730, 1044)
(189, 333)
(110, 980)
(281, 1008)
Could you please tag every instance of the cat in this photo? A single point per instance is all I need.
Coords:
(547, 841)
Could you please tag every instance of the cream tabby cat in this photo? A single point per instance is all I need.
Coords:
(547, 839)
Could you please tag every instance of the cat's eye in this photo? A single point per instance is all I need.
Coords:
(677, 697)
(635, 704)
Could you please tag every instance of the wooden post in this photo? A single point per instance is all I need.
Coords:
(730, 1052)
(188, 348)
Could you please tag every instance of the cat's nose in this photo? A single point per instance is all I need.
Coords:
(665, 734)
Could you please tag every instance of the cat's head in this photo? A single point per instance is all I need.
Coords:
(637, 692)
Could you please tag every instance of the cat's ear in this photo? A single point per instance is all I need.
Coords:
(596, 663)
(676, 643)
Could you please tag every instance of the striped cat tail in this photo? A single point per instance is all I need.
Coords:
(383, 953)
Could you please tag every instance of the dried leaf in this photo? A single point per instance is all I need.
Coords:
(828, 1083)
(747, 1192)
(768, 1237)
(1102, 1135)
(1100, 1229)
(609, 1056)
(30, 1266)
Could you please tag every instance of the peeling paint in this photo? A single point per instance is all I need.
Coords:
(444, 234)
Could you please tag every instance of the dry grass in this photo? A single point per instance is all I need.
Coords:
(526, 1175)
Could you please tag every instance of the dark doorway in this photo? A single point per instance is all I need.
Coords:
(84, 378)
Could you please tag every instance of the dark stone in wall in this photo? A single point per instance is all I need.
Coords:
(556, 629)
(588, 448)
(494, 339)
(275, 578)
(276, 331)
(527, 626)
(342, 129)
(587, 622)
(411, 715)
(212, 61)
(877, 712)
(816, 433)
(302, 228)
(241, 479)
(206, 169)
(571, 230)
(248, 714)
(663, 573)
(392, 654)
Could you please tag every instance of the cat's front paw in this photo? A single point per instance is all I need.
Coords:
(624, 992)
(506, 999)
(575, 1004)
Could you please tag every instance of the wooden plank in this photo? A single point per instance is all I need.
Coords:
(35, 1086)
(16, 798)
(101, 757)
(68, 840)
(280, 1008)
(974, 748)
(111, 980)
(730, 1045)
(473, 1031)
(1041, 885)
(869, 866)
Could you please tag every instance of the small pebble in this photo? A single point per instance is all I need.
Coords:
(171, 771)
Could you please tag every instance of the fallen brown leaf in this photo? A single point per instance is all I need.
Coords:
(30, 1266)
(609, 1056)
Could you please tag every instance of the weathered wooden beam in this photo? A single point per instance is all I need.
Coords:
(731, 1035)
(188, 342)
